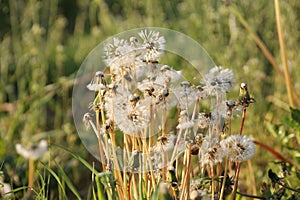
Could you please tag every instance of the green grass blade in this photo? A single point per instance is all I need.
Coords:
(154, 195)
(85, 163)
(68, 181)
(56, 178)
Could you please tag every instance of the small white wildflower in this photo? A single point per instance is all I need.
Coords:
(239, 148)
(34, 151)
(218, 80)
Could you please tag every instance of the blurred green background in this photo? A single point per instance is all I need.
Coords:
(44, 42)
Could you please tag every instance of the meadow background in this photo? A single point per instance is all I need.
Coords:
(43, 43)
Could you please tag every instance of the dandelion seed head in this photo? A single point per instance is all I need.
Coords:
(200, 93)
(134, 99)
(87, 117)
(119, 54)
(185, 84)
(99, 74)
(164, 148)
(96, 83)
(218, 80)
(204, 120)
(164, 143)
(230, 103)
(184, 121)
(167, 74)
(133, 41)
(95, 87)
(33, 151)
(153, 45)
(185, 96)
(129, 118)
(239, 148)
(224, 110)
(211, 151)
(195, 195)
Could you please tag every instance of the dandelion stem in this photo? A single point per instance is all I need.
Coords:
(150, 164)
(163, 121)
(212, 181)
(103, 124)
(236, 179)
(243, 120)
(226, 161)
(135, 187)
(183, 175)
(117, 171)
(100, 143)
(31, 174)
(237, 171)
(176, 145)
(186, 174)
(224, 179)
(125, 160)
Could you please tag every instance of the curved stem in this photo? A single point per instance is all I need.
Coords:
(251, 196)
(263, 48)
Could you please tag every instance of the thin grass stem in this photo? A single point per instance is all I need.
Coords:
(287, 77)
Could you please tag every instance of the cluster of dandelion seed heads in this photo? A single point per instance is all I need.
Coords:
(137, 88)
(238, 149)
